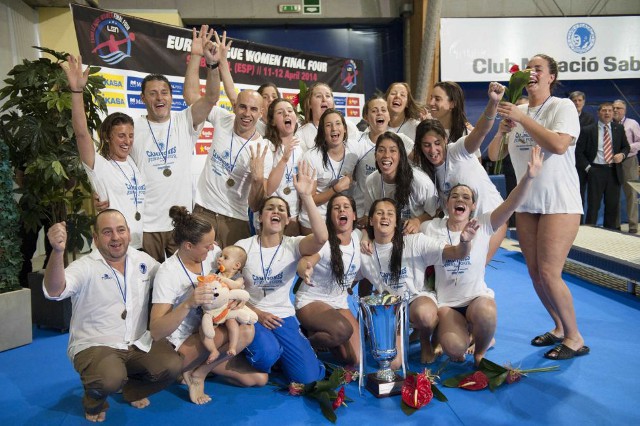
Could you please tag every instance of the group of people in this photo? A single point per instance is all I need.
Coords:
(331, 205)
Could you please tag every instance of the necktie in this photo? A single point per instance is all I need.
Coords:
(607, 146)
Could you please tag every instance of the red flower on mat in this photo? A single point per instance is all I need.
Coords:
(514, 68)
(296, 389)
(476, 381)
(416, 390)
(339, 399)
(513, 376)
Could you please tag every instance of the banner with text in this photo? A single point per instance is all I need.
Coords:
(586, 48)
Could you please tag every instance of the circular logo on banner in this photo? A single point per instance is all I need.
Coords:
(581, 38)
(349, 74)
(111, 38)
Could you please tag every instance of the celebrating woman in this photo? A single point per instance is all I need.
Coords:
(466, 306)
(176, 299)
(113, 174)
(548, 221)
(398, 262)
(269, 92)
(404, 111)
(321, 301)
(269, 273)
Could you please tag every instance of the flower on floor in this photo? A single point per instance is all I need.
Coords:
(491, 374)
(418, 390)
(512, 92)
(324, 391)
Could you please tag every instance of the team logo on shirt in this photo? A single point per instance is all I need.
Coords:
(111, 37)
(581, 38)
(106, 276)
(143, 268)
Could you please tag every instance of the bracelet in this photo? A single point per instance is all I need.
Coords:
(213, 66)
(76, 91)
(463, 241)
(490, 118)
(333, 188)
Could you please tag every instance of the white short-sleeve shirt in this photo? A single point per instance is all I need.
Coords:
(307, 134)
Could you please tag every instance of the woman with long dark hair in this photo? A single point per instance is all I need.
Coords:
(548, 221)
(398, 262)
(321, 301)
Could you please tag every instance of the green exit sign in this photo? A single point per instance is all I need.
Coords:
(289, 8)
(311, 7)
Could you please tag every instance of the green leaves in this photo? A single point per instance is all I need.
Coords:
(517, 83)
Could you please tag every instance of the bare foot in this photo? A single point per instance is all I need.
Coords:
(141, 403)
(472, 347)
(213, 356)
(231, 352)
(196, 388)
(96, 418)
(428, 354)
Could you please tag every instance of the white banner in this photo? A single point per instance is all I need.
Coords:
(586, 48)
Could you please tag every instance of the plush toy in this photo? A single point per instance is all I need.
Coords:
(217, 313)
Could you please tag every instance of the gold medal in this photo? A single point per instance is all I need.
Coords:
(231, 182)
(166, 172)
(137, 216)
(287, 191)
(124, 314)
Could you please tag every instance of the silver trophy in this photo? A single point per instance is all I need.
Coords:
(383, 315)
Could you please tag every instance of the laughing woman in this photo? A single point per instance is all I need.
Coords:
(269, 274)
(403, 109)
(398, 263)
(548, 220)
(321, 301)
(466, 306)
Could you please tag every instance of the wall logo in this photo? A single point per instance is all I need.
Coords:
(109, 33)
(581, 38)
(349, 74)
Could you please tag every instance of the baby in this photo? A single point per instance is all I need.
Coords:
(230, 263)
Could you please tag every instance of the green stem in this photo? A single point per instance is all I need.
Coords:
(497, 169)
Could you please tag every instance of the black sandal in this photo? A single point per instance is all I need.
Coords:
(563, 351)
(546, 339)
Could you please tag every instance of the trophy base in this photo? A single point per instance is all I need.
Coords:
(381, 389)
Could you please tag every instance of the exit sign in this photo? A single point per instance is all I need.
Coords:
(289, 8)
(311, 7)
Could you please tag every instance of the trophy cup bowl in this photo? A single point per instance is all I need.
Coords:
(382, 316)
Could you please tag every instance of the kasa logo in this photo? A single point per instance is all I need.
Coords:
(581, 38)
(111, 37)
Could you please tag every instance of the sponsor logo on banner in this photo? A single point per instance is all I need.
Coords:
(111, 38)
(353, 101)
(202, 148)
(581, 38)
(112, 81)
(114, 99)
(353, 112)
(349, 74)
(339, 101)
(207, 134)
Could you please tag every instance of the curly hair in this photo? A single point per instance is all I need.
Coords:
(395, 262)
(404, 175)
(337, 265)
(321, 137)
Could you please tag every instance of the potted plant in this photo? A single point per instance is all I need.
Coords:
(36, 118)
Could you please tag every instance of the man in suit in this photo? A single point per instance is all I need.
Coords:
(630, 164)
(601, 149)
(579, 99)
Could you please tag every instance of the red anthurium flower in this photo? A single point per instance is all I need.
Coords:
(476, 381)
(514, 69)
(339, 399)
(416, 390)
(296, 389)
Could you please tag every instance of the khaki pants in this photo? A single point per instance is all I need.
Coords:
(104, 370)
(630, 172)
(159, 245)
(228, 229)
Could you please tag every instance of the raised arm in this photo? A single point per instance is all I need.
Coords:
(304, 182)
(225, 71)
(463, 249)
(484, 124)
(202, 107)
(77, 80)
(278, 170)
(257, 192)
(504, 211)
(54, 279)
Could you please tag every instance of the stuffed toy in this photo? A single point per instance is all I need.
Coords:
(217, 313)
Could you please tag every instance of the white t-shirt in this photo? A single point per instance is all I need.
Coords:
(291, 169)
(307, 134)
(458, 282)
(228, 162)
(408, 128)
(419, 252)
(98, 294)
(463, 167)
(557, 188)
(325, 288)
(124, 186)
(261, 127)
(174, 284)
(269, 274)
(423, 197)
(153, 155)
(329, 175)
(367, 165)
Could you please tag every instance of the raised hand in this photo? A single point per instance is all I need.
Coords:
(496, 91)
(469, 230)
(289, 146)
(200, 39)
(73, 69)
(223, 46)
(305, 179)
(535, 164)
(57, 235)
(256, 162)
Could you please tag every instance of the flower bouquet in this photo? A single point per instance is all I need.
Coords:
(492, 375)
(298, 100)
(512, 92)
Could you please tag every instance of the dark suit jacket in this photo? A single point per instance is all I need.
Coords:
(587, 146)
